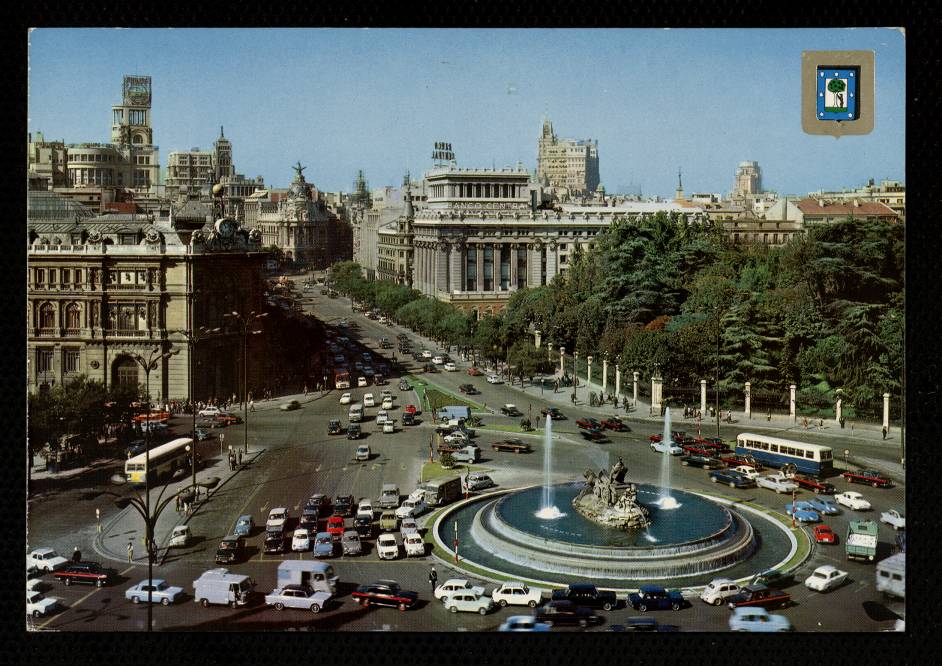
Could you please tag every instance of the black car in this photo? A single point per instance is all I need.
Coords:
(230, 549)
(554, 413)
(343, 505)
(309, 517)
(334, 427)
(136, 448)
(705, 462)
(565, 612)
(593, 435)
(408, 419)
(276, 541)
(468, 389)
(385, 593)
(510, 410)
(404, 385)
(430, 367)
(586, 595)
(364, 526)
(353, 431)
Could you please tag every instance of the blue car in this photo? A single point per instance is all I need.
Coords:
(655, 597)
(324, 545)
(757, 619)
(803, 512)
(523, 623)
(827, 507)
(244, 525)
(732, 478)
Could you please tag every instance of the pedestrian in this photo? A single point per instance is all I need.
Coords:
(240, 457)
(841, 421)
(130, 552)
(433, 578)
(251, 405)
(769, 417)
(76, 555)
(98, 516)
(305, 389)
(884, 432)
(178, 503)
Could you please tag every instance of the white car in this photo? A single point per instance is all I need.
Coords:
(387, 547)
(368, 400)
(719, 590)
(381, 417)
(437, 360)
(853, 500)
(361, 382)
(301, 540)
(893, 517)
(389, 426)
(365, 508)
(209, 411)
(362, 453)
(469, 602)
(777, 483)
(37, 605)
(825, 578)
(516, 594)
(277, 518)
(386, 393)
(450, 367)
(418, 493)
(453, 585)
(45, 559)
(414, 544)
(387, 403)
(345, 399)
(494, 379)
(749, 472)
(411, 508)
(456, 437)
(666, 447)
(426, 353)
(408, 526)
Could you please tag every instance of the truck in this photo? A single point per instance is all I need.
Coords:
(318, 576)
(861, 542)
(442, 490)
(355, 412)
(891, 576)
(449, 412)
(218, 586)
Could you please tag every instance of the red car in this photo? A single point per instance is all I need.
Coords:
(813, 484)
(824, 534)
(588, 423)
(871, 476)
(656, 437)
(614, 423)
(715, 443)
(735, 459)
(410, 409)
(228, 419)
(335, 527)
(697, 450)
(474, 372)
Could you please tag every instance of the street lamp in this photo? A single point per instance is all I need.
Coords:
(243, 324)
(717, 385)
(575, 374)
(193, 337)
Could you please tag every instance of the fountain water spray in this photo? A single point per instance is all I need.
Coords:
(665, 500)
(548, 511)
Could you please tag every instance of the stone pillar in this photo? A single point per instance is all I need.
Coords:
(588, 372)
(703, 397)
(657, 387)
(441, 268)
(480, 256)
(454, 267)
(550, 261)
(604, 376)
(617, 381)
(748, 410)
(886, 411)
(562, 361)
(634, 394)
(838, 410)
(791, 403)
(536, 338)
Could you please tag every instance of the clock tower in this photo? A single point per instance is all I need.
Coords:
(132, 133)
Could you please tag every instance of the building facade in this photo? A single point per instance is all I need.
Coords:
(47, 160)
(891, 193)
(480, 239)
(395, 242)
(569, 166)
(748, 180)
(104, 288)
(189, 171)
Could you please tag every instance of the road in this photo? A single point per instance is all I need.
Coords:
(301, 459)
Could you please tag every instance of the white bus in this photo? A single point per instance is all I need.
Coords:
(775, 452)
(165, 460)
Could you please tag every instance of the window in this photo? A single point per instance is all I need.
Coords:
(52, 276)
(40, 276)
(488, 268)
(70, 360)
(78, 276)
(44, 360)
(47, 316)
(471, 268)
(809, 455)
(774, 448)
(73, 316)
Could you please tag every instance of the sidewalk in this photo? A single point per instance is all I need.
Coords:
(128, 526)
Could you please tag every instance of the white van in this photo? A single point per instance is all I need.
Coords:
(368, 400)
(355, 413)
(891, 576)
(218, 586)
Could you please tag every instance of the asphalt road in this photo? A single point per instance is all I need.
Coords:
(301, 459)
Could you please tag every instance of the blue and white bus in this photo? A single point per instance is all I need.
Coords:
(775, 452)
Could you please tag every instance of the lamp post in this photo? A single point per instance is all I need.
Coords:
(717, 386)
(147, 364)
(243, 324)
(575, 374)
(193, 337)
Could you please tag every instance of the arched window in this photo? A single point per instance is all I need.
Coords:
(73, 316)
(47, 316)
(124, 372)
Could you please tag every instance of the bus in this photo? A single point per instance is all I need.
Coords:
(341, 378)
(165, 460)
(775, 452)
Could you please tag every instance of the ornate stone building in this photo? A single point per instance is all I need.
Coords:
(395, 243)
(568, 166)
(102, 288)
(480, 239)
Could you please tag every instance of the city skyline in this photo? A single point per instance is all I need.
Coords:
(377, 100)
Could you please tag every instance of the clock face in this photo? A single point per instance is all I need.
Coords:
(226, 228)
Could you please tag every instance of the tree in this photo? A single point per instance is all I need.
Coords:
(837, 86)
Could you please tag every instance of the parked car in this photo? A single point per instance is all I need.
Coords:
(411, 508)
(803, 512)
(408, 419)
(824, 534)
(565, 612)
(157, 590)
(513, 445)
(388, 522)
(825, 578)
(777, 483)
(369, 400)
(345, 399)
(350, 543)
(387, 547)
(408, 525)
(297, 596)
(655, 597)
(335, 527)
(364, 526)
(757, 619)
(719, 590)
(523, 623)
(479, 481)
(516, 594)
(45, 559)
(666, 447)
(277, 517)
(449, 366)
(381, 417)
(276, 541)
(494, 379)
(814, 485)
(760, 595)
(586, 595)
(365, 508)
(853, 500)
(614, 423)
(37, 605)
(824, 506)
(706, 462)
(454, 585)
(771, 578)
(323, 545)
(469, 602)
(749, 472)
(291, 405)
(334, 427)
(244, 525)
(732, 478)
(362, 382)
(84, 572)
(389, 426)
(588, 423)
(410, 409)
(894, 519)
(385, 593)
(594, 435)
(180, 536)
(209, 411)
(510, 410)
(869, 476)
(231, 549)
(404, 385)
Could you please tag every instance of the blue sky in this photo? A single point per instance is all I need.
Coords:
(346, 99)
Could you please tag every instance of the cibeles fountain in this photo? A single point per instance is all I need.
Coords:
(609, 530)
